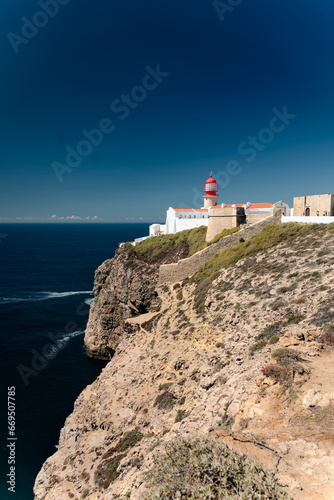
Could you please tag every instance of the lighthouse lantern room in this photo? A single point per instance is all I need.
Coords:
(210, 192)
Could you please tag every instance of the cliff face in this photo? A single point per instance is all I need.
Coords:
(253, 369)
(124, 286)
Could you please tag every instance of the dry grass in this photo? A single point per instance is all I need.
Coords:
(317, 424)
(204, 469)
(286, 366)
(270, 236)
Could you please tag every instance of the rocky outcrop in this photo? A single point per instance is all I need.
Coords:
(124, 286)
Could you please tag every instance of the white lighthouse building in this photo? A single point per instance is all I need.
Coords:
(179, 219)
(210, 193)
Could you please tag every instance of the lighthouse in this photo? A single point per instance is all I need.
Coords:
(210, 192)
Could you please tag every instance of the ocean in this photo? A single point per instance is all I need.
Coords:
(46, 282)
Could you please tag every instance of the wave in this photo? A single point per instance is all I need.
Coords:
(60, 343)
(36, 297)
(71, 335)
(89, 301)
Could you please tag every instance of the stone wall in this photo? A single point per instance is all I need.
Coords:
(253, 218)
(185, 268)
(224, 218)
(321, 203)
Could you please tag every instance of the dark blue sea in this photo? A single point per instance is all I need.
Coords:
(46, 281)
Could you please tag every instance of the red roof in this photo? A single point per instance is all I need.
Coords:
(210, 180)
(261, 205)
(190, 209)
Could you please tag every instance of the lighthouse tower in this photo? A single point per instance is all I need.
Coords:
(210, 192)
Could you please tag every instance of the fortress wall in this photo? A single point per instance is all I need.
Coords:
(299, 206)
(224, 218)
(185, 268)
(318, 202)
(253, 218)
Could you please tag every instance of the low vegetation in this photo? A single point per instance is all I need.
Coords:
(155, 249)
(269, 237)
(203, 469)
(327, 337)
(165, 401)
(107, 471)
(287, 364)
(129, 440)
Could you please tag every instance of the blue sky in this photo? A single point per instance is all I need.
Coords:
(216, 78)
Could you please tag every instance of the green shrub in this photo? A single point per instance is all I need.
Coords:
(205, 469)
(285, 289)
(106, 472)
(287, 364)
(165, 401)
(164, 387)
(287, 357)
(293, 317)
(180, 415)
(257, 346)
(225, 232)
(274, 339)
(129, 440)
(271, 330)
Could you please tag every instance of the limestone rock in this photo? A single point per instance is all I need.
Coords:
(123, 287)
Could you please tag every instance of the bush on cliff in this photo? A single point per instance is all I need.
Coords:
(203, 469)
(154, 249)
(269, 237)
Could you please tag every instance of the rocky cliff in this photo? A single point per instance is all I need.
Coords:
(124, 286)
(243, 354)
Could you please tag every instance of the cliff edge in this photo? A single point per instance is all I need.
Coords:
(242, 354)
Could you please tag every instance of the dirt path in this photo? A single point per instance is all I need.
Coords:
(138, 320)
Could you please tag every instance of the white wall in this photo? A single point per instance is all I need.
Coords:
(182, 224)
(308, 220)
(179, 221)
(282, 204)
(154, 228)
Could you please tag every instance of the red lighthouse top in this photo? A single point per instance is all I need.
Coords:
(210, 187)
